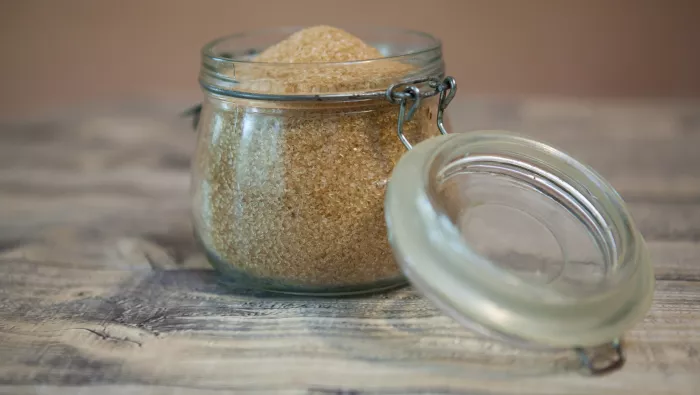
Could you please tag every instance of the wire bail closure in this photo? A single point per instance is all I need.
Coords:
(404, 92)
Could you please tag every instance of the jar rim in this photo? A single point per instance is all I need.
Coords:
(209, 49)
(418, 55)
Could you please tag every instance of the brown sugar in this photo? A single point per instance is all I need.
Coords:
(293, 194)
(319, 44)
(320, 59)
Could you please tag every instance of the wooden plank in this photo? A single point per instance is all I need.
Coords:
(103, 290)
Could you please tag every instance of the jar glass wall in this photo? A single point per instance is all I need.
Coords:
(287, 193)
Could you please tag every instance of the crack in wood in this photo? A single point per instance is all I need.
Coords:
(105, 336)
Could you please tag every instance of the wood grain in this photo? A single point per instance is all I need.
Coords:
(102, 289)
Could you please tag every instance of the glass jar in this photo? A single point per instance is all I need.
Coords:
(292, 160)
(513, 238)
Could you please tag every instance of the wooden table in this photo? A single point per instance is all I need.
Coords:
(102, 289)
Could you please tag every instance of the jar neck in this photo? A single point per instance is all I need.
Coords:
(228, 66)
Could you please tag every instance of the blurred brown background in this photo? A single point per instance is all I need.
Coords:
(58, 54)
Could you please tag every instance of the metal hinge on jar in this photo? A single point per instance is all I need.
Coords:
(410, 91)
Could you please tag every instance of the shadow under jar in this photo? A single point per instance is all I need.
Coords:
(293, 160)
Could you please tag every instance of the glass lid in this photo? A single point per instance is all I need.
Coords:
(517, 239)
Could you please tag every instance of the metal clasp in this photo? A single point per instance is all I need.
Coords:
(404, 92)
(602, 360)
